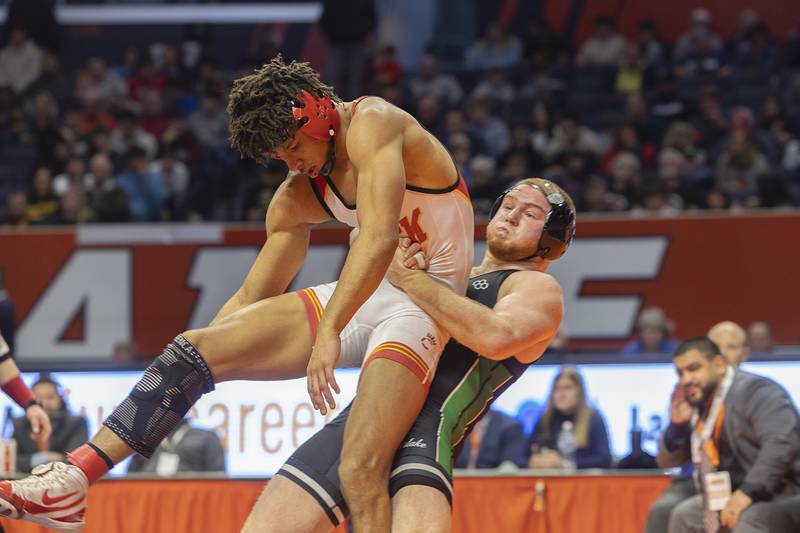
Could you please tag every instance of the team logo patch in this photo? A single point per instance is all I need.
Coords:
(480, 284)
(428, 341)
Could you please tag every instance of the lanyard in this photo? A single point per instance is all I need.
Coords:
(699, 438)
(170, 444)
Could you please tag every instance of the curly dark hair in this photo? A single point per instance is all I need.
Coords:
(260, 105)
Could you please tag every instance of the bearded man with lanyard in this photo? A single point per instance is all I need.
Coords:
(742, 432)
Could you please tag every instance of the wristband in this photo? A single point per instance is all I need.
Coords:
(19, 392)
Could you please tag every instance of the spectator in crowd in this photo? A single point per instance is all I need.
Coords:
(597, 197)
(739, 167)
(604, 47)
(16, 210)
(145, 190)
(428, 81)
(496, 49)
(429, 113)
(152, 118)
(759, 338)
(74, 175)
(653, 198)
(712, 402)
(129, 135)
(496, 88)
(42, 202)
(106, 201)
(542, 45)
(7, 314)
(106, 85)
(499, 441)
(484, 186)
(460, 147)
(542, 126)
(731, 339)
(347, 26)
(145, 77)
(732, 342)
(672, 173)
(568, 404)
(71, 208)
(125, 353)
(627, 139)
(650, 47)
(747, 20)
(521, 147)
(631, 71)
(654, 334)
(38, 19)
(626, 177)
(20, 61)
(488, 127)
(185, 449)
(700, 39)
(69, 430)
(571, 136)
(386, 68)
(210, 123)
(52, 81)
(176, 177)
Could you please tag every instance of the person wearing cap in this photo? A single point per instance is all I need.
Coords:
(654, 334)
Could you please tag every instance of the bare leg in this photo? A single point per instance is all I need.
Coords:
(268, 340)
(388, 401)
(284, 506)
(420, 509)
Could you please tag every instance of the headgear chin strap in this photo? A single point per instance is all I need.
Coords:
(559, 225)
(316, 115)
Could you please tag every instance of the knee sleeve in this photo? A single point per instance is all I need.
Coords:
(160, 400)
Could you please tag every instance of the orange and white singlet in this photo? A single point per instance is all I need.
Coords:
(389, 324)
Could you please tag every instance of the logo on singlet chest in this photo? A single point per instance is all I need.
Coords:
(480, 284)
(413, 228)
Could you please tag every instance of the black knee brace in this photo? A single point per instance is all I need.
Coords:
(160, 400)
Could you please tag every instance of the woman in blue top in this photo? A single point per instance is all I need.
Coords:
(567, 403)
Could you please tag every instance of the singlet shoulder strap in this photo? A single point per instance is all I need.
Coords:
(318, 185)
(356, 102)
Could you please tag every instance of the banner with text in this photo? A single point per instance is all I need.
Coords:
(79, 292)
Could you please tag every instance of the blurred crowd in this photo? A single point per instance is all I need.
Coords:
(623, 124)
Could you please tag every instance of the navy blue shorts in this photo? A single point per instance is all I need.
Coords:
(422, 460)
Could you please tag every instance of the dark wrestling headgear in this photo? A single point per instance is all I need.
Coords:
(559, 226)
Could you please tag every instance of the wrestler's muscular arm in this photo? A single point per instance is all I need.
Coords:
(375, 147)
(292, 212)
(525, 318)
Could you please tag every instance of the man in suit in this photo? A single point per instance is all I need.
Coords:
(731, 339)
(496, 439)
(742, 433)
(185, 449)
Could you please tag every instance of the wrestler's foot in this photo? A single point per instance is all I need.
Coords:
(54, 495)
